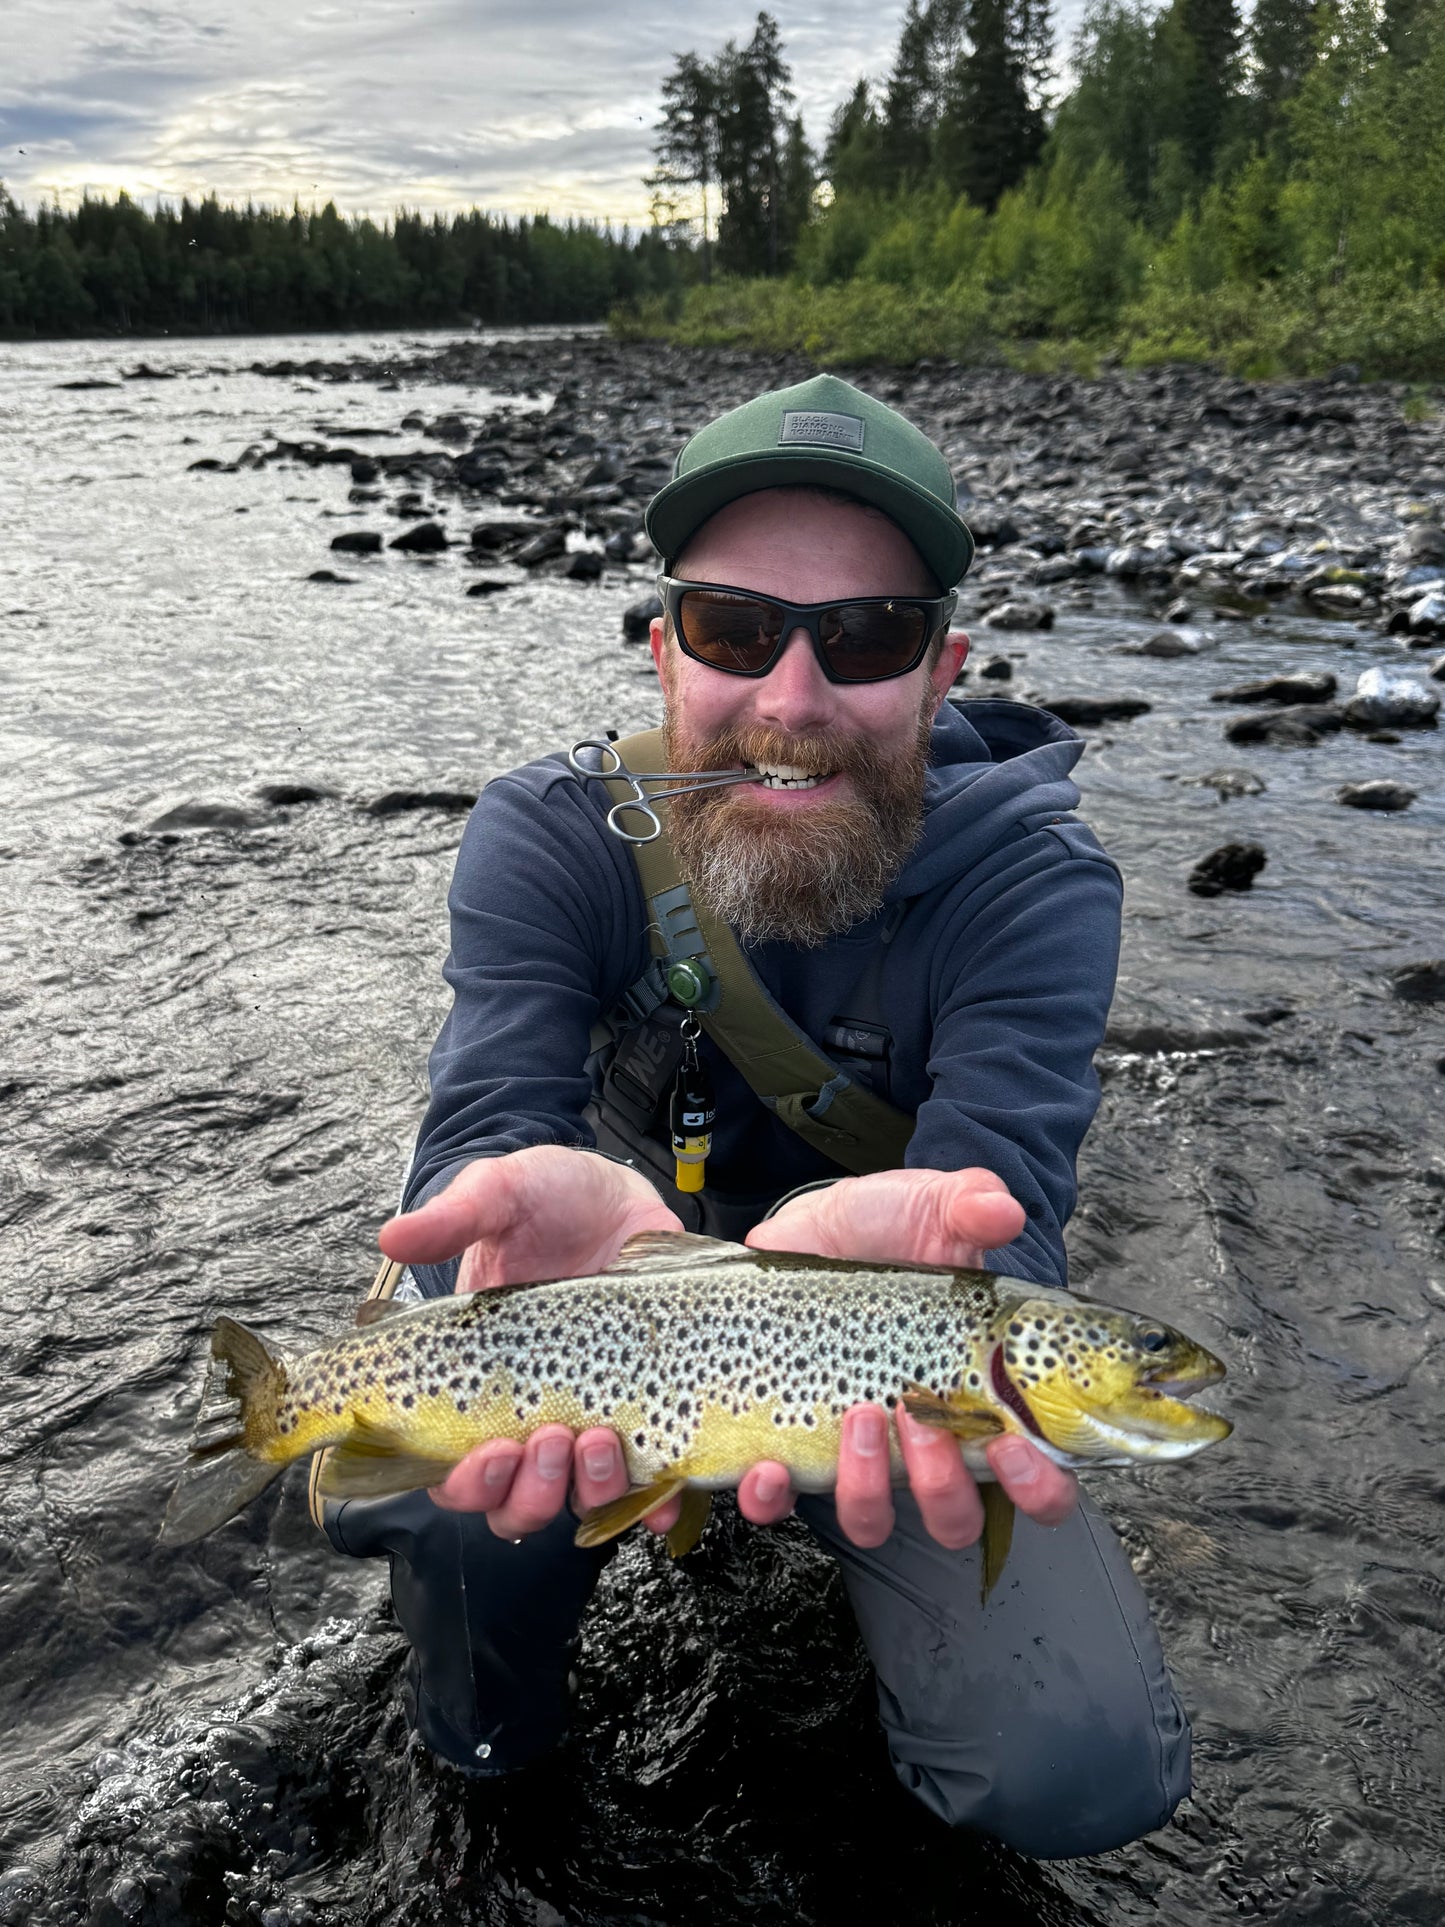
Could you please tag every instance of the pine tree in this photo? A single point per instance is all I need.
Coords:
(851, 151)
(990, 131)
(686, 149)
(1198, 46)
(1281, 43)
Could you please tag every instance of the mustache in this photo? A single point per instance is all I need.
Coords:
(823, 754)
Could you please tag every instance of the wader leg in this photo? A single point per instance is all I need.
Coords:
(491, 1624)
(1046, 1719)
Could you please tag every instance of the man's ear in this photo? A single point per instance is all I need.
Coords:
(657, 642)
(951, 658)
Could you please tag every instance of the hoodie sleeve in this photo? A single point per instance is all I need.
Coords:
(544, 936)
(1021, 985)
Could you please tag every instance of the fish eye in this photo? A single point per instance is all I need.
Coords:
(1151, 1338)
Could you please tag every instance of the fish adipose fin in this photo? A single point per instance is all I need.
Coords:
(998, 1534)
(929, 1409)
(236, 1420)
(696, 1505)
(375, 1463)
(605, 1522)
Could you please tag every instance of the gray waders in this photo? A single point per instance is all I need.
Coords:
(1045, 1718)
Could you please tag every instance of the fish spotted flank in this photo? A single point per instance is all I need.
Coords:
(704, 1357)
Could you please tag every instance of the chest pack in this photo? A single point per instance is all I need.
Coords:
(698, 967)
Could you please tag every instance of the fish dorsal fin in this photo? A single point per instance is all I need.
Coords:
(668, 1250)
(372, 1311)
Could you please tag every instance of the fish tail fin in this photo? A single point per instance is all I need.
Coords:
(234, 1427)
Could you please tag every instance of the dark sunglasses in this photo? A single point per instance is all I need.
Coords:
(868, 639)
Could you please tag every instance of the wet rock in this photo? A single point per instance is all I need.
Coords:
(1087, 712)
(1427, 616)
(1053, 568)
(79, 386)
(488, 585)
(1133, 564)
(1021, 614)
(638, 618)
(1377, 795)
(448, 428)
(541, 548)
(1233, 782)
(585, 565)
(286, 796)
(1299, 726)
(399, 802)
(997, 669)
(1233, 866)
(202, 816)
(1420, 983)
(364, 471)
(1423, 543)
(1280, 689)
(991, 527)
(627, 545)
(427, 538)
(1178, 611)
(1436, 671)
(329, 575)
(1169, 643)
(1387, 697)
(357, 542)
(481, 473)
(491, 537)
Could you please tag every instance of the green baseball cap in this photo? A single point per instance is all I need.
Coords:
(828, 433)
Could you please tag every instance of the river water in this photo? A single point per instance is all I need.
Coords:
(212, 1048)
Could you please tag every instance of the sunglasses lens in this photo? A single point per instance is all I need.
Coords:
(865, 641)
(729, 631)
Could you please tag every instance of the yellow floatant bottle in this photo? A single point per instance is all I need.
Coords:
(693, 1112)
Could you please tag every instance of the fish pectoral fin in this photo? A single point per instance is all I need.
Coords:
(682, 1537)
(604, 1522)
(376, 1463)
(930, 1409)
(998, 1533)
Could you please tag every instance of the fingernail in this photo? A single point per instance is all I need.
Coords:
(600, 1461)
(768, 1486)
(554, 1455)
(1017, 1460)
(497, 1471)
(870, 1432)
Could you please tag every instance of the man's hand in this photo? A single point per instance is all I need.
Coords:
(917, 1217)
(543, 1213)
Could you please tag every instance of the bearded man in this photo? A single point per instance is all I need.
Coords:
(904, 881)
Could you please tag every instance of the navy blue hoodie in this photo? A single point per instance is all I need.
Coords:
(995, 989)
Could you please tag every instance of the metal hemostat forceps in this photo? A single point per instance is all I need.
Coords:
(611, 767)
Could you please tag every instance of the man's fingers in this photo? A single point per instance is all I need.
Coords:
(539, 1490)
(599, 1471)
(483, 1478)
(1038, 1487)
(863, 1497)
(765, 1494)
(665, 1517)
(478, 1203)
(942, 1484)
(978, 1210)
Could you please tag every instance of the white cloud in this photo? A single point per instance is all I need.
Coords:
(378, 104)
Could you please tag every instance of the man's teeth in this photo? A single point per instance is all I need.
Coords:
(787, 776)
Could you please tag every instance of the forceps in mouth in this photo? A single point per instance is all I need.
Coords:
(612, 767)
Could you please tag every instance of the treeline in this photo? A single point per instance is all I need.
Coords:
(111, 267)
(1266, 193)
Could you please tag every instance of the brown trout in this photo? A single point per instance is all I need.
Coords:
(704, 1357)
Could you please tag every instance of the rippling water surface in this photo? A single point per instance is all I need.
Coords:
(213, 1052)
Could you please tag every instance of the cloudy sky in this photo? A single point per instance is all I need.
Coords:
(435, 104)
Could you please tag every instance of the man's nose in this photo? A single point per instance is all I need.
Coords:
(795, 693)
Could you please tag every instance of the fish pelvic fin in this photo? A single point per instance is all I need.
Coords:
(696, 1505)
(376, 1463)
(229, 1464)
(605, 1522)
(998, 1534)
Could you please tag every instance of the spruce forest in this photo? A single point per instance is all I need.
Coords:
(1265, 193)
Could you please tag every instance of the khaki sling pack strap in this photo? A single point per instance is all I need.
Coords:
(783, 1065)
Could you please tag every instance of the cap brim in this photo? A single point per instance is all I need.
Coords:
(677, 511)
